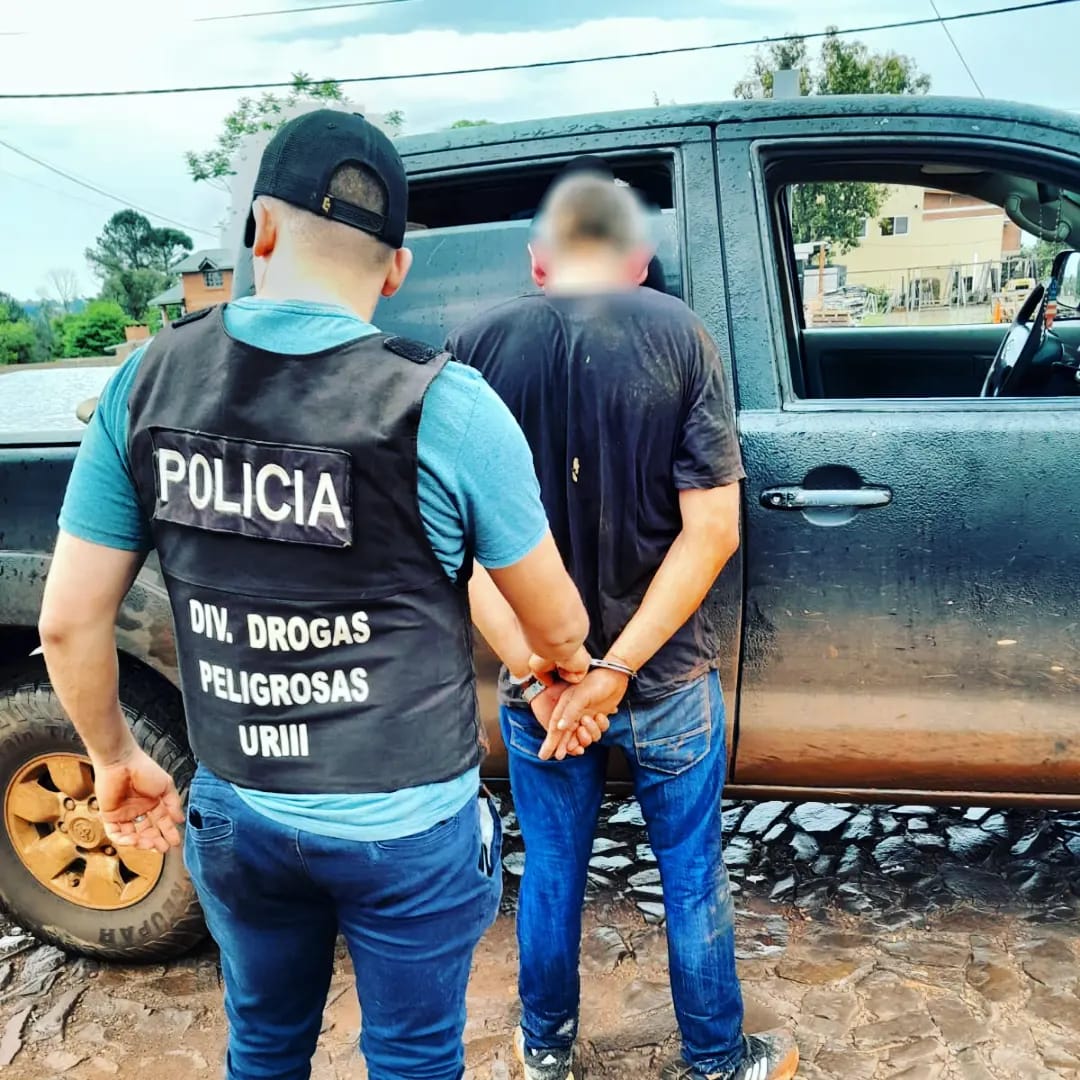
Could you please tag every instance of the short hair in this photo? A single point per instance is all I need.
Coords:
(588, 208)
(328, 239)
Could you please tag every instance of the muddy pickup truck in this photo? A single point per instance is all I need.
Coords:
(902, 618)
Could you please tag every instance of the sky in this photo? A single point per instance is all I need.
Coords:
(134, 147)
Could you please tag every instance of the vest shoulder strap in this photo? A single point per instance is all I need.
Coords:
(416, 351)
(194, 316)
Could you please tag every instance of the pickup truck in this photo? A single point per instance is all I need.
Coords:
(901, 620)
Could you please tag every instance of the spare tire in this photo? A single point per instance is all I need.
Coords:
(59, 876)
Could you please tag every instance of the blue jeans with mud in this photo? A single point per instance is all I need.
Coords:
(677, 754)
(411, 911)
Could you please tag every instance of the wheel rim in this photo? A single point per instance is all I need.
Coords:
(54, 825)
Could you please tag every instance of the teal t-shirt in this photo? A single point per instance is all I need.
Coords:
(477, 488)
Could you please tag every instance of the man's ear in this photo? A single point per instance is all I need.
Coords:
(539, 269)
(639, 265)
(397, 271)
(266, 232)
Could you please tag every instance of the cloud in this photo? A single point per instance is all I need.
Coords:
(135, 146)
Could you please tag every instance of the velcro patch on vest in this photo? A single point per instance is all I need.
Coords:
(416, 351)
(265, 491)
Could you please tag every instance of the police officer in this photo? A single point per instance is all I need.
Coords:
(316, 492)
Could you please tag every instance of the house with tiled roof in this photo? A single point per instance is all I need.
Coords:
(205, 279)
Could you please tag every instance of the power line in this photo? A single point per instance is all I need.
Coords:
(53, 191)
(539, 64)
(956, 48)
(101, 191)
(299, 10)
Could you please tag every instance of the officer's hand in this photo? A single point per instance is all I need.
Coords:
(139, 803)
(570, 671)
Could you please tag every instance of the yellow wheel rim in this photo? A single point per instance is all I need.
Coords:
(53, 822)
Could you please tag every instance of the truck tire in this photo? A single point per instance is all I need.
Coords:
(59, 877)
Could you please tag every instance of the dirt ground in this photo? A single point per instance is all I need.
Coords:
(890, 955)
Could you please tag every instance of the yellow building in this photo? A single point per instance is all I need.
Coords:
(926, 244)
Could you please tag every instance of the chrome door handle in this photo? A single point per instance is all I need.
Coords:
(800, 498)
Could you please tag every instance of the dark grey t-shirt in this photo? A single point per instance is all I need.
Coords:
(623, 401)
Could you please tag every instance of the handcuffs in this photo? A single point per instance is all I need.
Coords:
(533, 685)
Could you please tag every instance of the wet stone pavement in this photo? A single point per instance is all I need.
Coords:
(904, 942)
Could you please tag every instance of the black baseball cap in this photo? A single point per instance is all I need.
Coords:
(304, 154)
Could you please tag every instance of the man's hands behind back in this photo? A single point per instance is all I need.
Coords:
(597, 696)
(575, 707)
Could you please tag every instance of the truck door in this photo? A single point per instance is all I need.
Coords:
(912, 549)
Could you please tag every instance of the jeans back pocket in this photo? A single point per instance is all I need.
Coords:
(675, 733)
(435, 835)
(525, 732)
(205, 826)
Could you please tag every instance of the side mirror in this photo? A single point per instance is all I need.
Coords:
(85, 411)
(1066, 275)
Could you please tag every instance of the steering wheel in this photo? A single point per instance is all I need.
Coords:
(1019, 346)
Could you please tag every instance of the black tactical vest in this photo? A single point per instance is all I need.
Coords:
(322, 646)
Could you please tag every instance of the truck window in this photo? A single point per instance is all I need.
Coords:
(469, 231)
(901, 255)
(902, 279)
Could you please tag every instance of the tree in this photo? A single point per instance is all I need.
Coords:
(843, 67)
(44, 335)
(130, 242)
(20, 339)
(252, 115)
(833, 211)
(850, 68)
(779, 56)
(394, 121)
(1042, 254)
(63, 286)
(10, 309)
(18, 342)
(134, 289)
(94, 330)
(469, 123)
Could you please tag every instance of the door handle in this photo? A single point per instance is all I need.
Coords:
(801, 498)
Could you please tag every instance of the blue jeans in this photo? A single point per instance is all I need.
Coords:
(411, 911)
(676, 750)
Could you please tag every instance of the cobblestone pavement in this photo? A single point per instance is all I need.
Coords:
(900, 942)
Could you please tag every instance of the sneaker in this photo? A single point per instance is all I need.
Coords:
(543, 1064)
(772, 1055)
